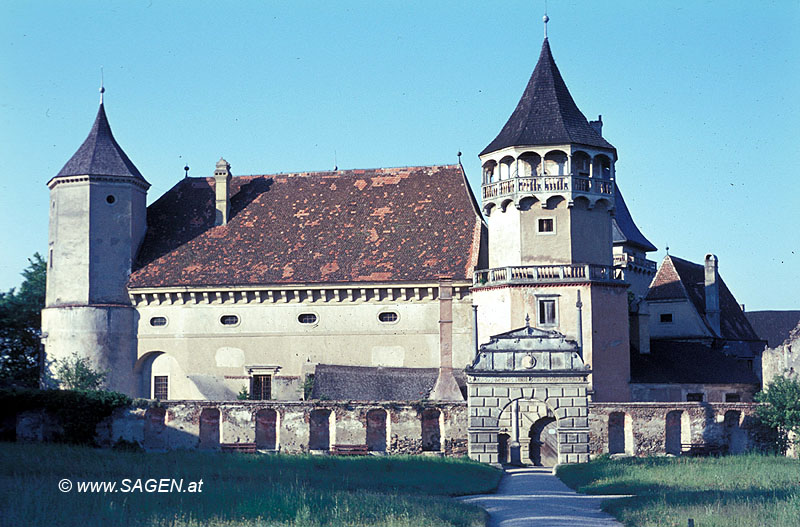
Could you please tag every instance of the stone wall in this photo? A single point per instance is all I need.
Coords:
(644, 429)
(194, 424)
(783, 359)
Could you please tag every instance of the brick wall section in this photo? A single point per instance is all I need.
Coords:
(701, 423)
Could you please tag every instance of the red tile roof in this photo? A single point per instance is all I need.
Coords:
(376, 225)
(678, 278)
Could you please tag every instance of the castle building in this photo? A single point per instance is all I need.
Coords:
(379, 284)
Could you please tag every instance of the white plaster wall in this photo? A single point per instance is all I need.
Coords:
(685, 320)
(68, 258)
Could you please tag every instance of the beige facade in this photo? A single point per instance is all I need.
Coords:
(206, 359)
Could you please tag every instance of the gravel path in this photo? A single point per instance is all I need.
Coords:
(535, 497)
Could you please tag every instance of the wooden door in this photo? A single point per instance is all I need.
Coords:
(544, 442)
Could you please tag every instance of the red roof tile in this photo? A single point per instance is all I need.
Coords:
(392, 224)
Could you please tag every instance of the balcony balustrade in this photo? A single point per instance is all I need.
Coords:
(547, 184)
(532, 274)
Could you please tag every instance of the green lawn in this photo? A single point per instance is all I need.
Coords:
(238, 489)
(731, 491)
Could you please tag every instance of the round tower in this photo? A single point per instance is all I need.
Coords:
(97, 222)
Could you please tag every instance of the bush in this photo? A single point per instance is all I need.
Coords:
(76, 373)
(78, 411)
(781, 408)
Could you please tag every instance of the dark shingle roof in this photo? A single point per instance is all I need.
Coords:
(546, 114)
(100, 154)
(377, 225)
(688, 362)
(678, 278)
(623, 228)
(365, 383)
(773, 326)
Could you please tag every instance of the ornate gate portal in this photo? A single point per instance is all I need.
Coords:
(529, 386)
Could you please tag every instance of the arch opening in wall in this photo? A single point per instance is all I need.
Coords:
(431, 431)
(530, 164)
(502, 449)
(581, 164)
(507, 168)
(616, 433)
(489, 172)
(143, 370)
(155, 424)
(319, 436)
(209, 429)
(376, 430)
(601, 167)
(555, 163)
(543, 445)
(735, 436)
(526, 203)
(267, 429)
(673, 432)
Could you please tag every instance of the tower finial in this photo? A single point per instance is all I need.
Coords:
(545, 19)
(102, 85)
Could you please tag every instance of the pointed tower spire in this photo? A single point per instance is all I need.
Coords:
(100, 154)
(546, 113)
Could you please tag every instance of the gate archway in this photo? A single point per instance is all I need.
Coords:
(544, 442)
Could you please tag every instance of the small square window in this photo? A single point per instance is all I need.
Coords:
(547, 312)
(261, 388)
(665, 318)
(732, 398)
(161, 387)
(546, 225)
(694, 397)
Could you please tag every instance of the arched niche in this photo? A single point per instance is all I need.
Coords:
(489, 171)
(555, 163)
(506, 168)
(530, 164)
(581, 164)
(601, 167)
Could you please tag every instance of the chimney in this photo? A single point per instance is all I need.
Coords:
(712, 293)
(222, 184)
(597, 125)
(446, 387)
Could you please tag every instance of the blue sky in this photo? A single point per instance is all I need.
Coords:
(700, 99)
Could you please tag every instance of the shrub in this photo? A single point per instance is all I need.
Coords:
(79, 412)
(781, 408)
(76, 373)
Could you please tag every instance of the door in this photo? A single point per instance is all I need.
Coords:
(544, 442)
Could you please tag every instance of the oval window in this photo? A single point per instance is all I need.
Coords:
(229, 320)
(388, 316)
(158, 321)
(110, 199)
(307, 318)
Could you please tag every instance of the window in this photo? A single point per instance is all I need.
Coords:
(161, 387)
(665, 318)
(261, 387)
(694, 397)
(546, 226)
(307, 318)
(732, 398)
(228, 320)
(110, 199)
(158, 321)
(388, 317)
(547, 312)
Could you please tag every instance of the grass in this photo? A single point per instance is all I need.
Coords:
(238, 489)
(732, 491)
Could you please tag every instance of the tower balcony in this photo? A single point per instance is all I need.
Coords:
(567, 185)
(545, 274)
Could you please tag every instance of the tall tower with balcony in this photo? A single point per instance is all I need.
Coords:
(548, 195)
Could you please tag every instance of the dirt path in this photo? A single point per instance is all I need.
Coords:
(535, 497)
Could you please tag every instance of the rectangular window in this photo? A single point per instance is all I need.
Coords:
(261, 388)
(666, 318)
(732, 398)
(546, 225)
(161, 387)
(694, 397)
(547, 312)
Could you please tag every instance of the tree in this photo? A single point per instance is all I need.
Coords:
(781, 408)
(20, 327)
(76, 373)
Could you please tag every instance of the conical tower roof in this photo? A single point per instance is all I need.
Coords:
(100, 155)
(546, 113)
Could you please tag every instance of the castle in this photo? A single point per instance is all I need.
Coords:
(393, 283)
